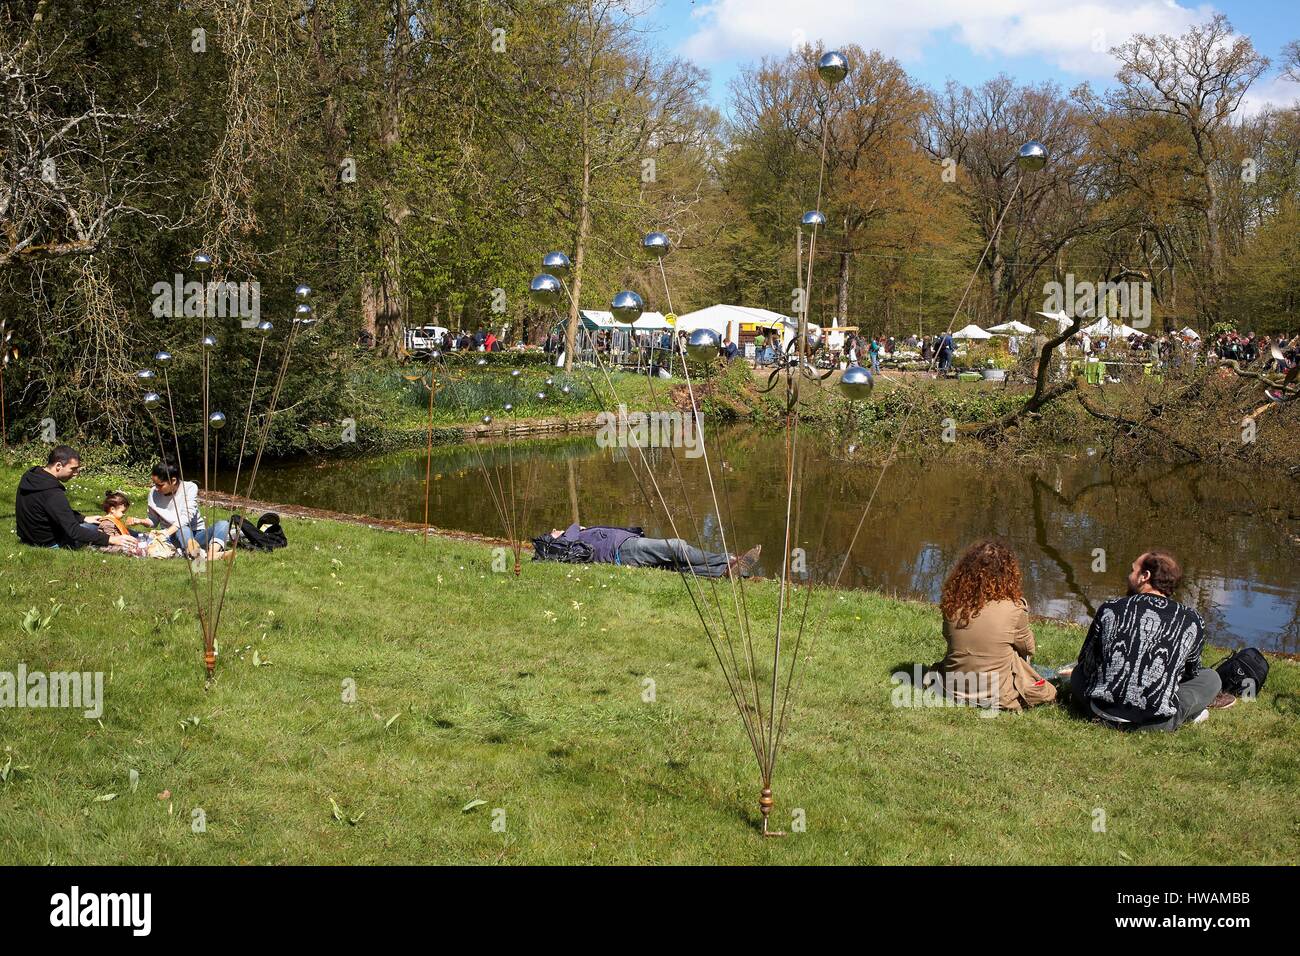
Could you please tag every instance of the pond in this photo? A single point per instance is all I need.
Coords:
(1076, 524)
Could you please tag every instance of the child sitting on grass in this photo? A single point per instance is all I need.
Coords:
(115, 520)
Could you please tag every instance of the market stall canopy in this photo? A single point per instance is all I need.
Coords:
(972, 331)
(1108, 328)
(1189, 333)
(600, 320)
(1010, 328)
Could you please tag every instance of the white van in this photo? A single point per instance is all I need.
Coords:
(423, 339)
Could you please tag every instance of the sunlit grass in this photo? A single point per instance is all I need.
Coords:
(528, 694)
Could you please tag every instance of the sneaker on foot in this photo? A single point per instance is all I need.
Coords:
(744, 564)
(1201, 717)
(1222, 701)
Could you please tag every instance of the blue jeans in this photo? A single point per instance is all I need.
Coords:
(183, 536)
(875, 363)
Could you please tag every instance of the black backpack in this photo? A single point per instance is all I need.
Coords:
(1243, 673)
(266, 535)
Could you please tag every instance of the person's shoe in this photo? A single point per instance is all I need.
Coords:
(1222, 701)
(744, 564)
(1201, 717)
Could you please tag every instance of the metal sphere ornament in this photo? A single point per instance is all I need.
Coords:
(556, 264)
(856, 383)
(217, 421)
(833, 67)
(263, 327)
(549, 382)
(1032, 156)
(163, 358)
(702, 345)
(151, 400)
(209, 342)
(202, 261)
(545, 289)
(514, 373)
(541, 396)
(656, 245)
(302, 291)
(487, 419)
(627, 306)
(435, 354)
(146, 375)
(508, 407)
(565, 389)
(814, 218)
(302, 309)
(481, 362)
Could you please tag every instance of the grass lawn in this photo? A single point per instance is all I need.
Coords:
(526, 694)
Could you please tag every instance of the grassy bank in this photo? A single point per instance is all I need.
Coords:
(527, 694)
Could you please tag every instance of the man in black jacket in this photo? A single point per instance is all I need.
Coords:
(1140, 665)
(45, 519)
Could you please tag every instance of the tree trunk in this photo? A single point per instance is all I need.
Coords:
(842, 298)
(1212, 230)
(584, 206)
(579, 255)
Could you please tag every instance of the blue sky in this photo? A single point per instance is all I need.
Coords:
(966, 40)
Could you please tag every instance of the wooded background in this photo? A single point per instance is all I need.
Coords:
(134, 133)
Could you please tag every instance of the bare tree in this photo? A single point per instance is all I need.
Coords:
(68, 170)
(1199, 79)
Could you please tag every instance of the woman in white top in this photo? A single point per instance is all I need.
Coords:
(174, 507)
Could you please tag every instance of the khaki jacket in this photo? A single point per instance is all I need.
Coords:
(996, 644)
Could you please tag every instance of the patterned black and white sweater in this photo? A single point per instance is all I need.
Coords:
(1137, 652)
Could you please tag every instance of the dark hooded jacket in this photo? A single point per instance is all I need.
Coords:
(44, 516)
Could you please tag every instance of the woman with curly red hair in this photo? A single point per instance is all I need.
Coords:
(986, 626)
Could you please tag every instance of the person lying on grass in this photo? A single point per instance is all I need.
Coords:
(174, 507)
(627, 546)
(43, 515)
(986, 627)
(1140, 665)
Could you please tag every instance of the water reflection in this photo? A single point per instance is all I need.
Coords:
(1241, 568)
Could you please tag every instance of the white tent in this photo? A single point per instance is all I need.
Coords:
(1011, 328)
(726, 320)
(972, 331)
(834, 337)
(1189, 333)
(1060, 318)
(1108, 328)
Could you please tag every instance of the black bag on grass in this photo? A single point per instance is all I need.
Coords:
(547, 548)
(266, 535)
(1243, 673)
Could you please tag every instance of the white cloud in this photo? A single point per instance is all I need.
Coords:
(1073, 35)
(1270, 93)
